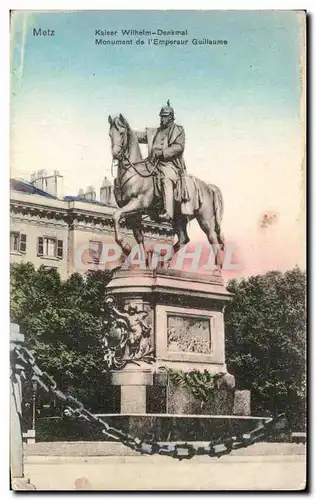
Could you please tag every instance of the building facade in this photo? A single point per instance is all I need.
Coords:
(71, 233)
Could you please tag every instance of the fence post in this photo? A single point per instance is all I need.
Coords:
(16, 439)
(16, 442)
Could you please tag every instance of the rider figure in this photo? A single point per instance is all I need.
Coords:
(165, 148)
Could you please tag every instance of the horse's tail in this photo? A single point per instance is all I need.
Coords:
(218, 211)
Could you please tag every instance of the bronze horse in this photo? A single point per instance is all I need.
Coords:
(135, 194)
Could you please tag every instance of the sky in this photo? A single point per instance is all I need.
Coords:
(240, 105)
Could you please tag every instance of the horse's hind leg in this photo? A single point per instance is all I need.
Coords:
(207, 224)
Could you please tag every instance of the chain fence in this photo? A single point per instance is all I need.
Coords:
(181, 451)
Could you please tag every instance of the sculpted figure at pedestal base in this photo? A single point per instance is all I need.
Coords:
(127, 336)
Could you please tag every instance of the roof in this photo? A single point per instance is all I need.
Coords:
(83, 200)
(27, 187)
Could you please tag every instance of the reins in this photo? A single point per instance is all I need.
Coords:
(146, 160)
(123, 157)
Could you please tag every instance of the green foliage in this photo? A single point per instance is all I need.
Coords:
(201, 384)
(62, 324)
(266, 339)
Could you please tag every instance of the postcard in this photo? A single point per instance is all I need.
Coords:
(157, 250)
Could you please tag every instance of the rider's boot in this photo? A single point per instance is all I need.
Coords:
(167, 194)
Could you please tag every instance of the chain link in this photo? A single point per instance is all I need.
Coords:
(181, 451)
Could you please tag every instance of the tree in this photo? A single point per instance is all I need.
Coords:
(62, 324)
(266, 340)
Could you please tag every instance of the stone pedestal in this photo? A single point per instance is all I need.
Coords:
(133, 399)
(180, 400)
(133, 384)
(242, 403)
(186, 315)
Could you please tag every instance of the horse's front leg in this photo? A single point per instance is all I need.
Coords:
(139, 237)
(131, 207)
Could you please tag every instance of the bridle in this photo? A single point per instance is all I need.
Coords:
(126, 163)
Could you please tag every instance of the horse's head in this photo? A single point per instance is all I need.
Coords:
(119, 129)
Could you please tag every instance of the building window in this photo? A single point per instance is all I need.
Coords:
(60, 249)
(95, 251)
(17, 242)
(50, 247)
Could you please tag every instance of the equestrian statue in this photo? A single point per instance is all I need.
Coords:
(159, 186)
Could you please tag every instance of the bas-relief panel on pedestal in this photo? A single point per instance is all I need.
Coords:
(188, 334)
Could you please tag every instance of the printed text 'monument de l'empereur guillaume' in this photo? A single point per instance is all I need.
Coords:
(132, 32)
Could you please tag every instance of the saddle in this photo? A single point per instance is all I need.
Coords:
(193, 201)
(187, 193)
